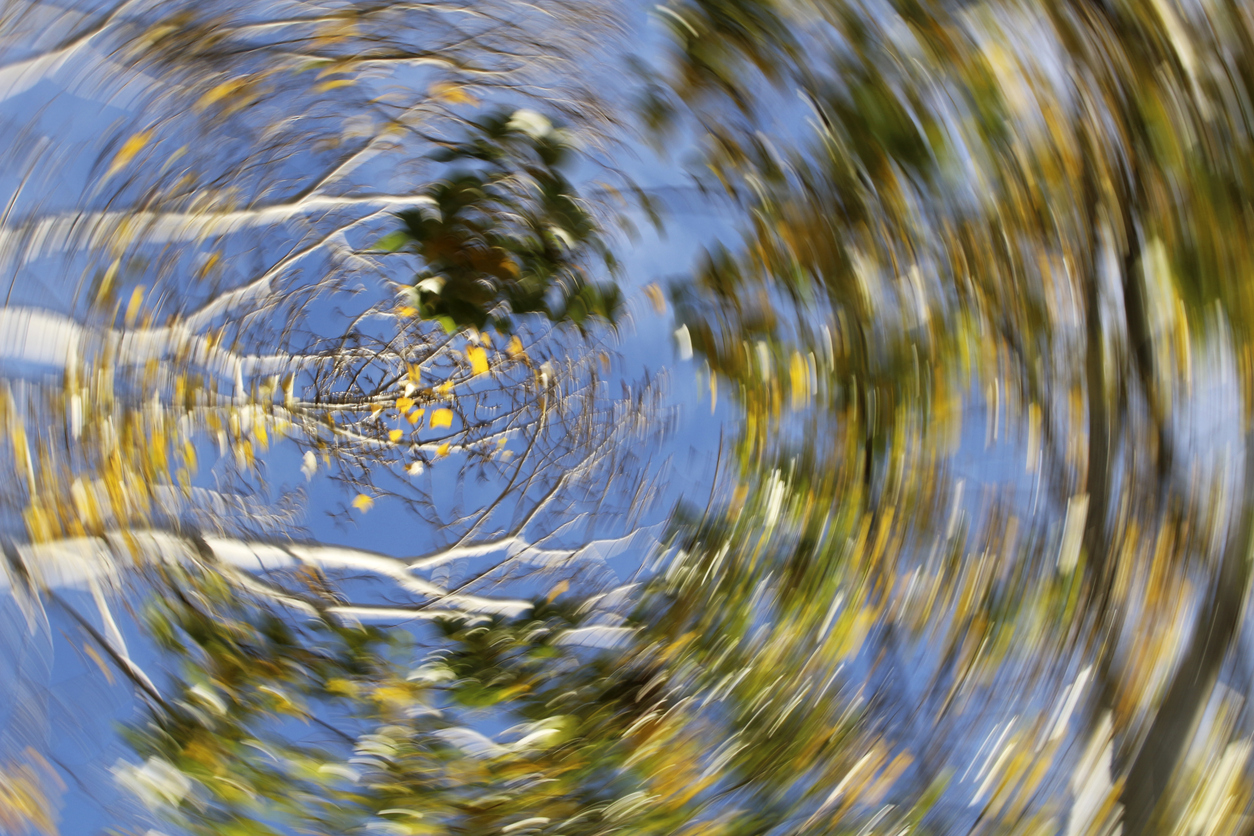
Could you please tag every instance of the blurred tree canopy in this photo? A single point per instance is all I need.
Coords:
(1052, 195)
(1037, 212)
(511, 232)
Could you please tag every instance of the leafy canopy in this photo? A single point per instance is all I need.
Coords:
(505, 232)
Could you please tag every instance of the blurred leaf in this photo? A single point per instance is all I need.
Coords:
(132, 307)
(392, 242)
(128, 151)
(334, 84)
(452, 93)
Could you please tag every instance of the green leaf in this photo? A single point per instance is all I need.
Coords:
(392, 242)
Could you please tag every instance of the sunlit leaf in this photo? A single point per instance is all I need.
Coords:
(217, 93)
(209, 264)
(392, 242)
(334, 84)
(442, 417)
(478, 359)
(128, 151)
(656, 299)
(515, 348)
(452, 93)
(132, 307)
(363, 503)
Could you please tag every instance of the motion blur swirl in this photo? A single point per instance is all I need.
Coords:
(572, 417)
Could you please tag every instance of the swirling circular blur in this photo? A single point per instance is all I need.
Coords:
(569, 417)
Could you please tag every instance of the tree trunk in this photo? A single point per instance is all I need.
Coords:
(1195, 677)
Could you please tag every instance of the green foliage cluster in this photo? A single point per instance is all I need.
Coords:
(327, 728)
(505, 233)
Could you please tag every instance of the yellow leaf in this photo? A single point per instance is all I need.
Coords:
(655, 298)
(218, 92)
(100, 663)
(128, 151)
(363, 503)
(445, 387)
(375, 410)
(404, 404)
(132, 307)
(478, 359)
(333, 68)
(442, 418)
(799, 373)
(106, 281)
(442, 450)
(487, 339)
(393, 695)
(395, 435)
(209, 264)
(342, 686)
(415, 416)
(560, 589)
(415, 374)
(333, 84)
(451, 93)
(407, 311)
(515, 349)
(25, 802)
